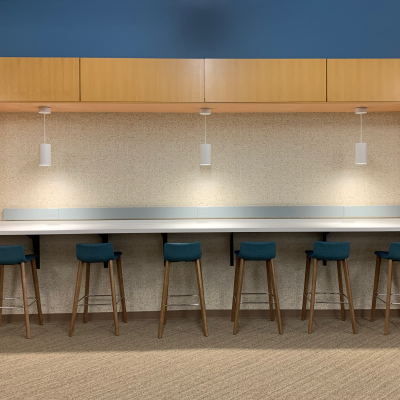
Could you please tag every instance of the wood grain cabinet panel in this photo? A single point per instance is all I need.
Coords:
(363, 79)
(142, 80)
(272, 80)
(39, 79)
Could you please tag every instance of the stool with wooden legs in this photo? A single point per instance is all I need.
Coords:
(253, 251)
(177, 252)
(339, 252)
(98, 253)
(392, 255)
(14, 255)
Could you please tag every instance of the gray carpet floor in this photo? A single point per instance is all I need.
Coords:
(257, 363)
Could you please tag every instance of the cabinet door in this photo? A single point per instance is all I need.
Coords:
(363, 80)
(265, 80)
(135, 79)
(39, 79)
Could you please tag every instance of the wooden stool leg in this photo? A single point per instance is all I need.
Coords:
(270, 296)
(164, 299)
(37, 292)
(201, 295)
(238, 296)
(339, 272)
(276, 298)
(305, 290)
(87, 285)
(166, 308)
(349, 295)
(1, 290)
(313, 287)
(25, 297)
(376, 284)
(76, 297)
(113, 297)
(388, 296)
(235, 289)
(121, 290)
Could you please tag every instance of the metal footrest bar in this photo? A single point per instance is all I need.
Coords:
(257, 293)
(327, 302)
(19, 298)
(256, 302)
(98, 304)
(385, 294)
(182, 305)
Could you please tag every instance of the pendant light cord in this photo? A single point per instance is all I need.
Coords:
(361, 128)
(44, 127)
(205, 129)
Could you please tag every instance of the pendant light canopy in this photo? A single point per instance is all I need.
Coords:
(44, 148)
(205, 149)
(361, 148)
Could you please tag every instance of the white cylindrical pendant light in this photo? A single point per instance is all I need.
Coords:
(44, 148)
(361, 153)
(205, 154)
(361, 148)
(45, 155)
(205, 149)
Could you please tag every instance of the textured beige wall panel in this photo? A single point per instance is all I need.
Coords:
(118, 160)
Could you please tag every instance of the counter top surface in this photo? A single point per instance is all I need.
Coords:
(199, 225)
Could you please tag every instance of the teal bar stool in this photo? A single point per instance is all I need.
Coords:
(178, 252)
(14, 255)
(255, 251)
(392, 255)
(98, 253)
(339, 252)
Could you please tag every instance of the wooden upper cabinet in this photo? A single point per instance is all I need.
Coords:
(270, 80)
(142, 80)
(39, 79)
(363, 80)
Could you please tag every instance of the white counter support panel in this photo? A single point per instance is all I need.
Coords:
(34, 229)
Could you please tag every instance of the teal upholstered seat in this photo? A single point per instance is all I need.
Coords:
(176, 252)
(96, 253)
(383, 254)
(331, 251)
(392, 254)
(257, 251)
(11, 255)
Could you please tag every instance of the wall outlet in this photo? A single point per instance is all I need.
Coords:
(202, 212)
(52, 213)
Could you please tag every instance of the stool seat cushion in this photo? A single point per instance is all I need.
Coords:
(257, 251)
(96, 253)
(383, 254)
(331, 251)
(11, 255)
(393, 254)
(176, 252)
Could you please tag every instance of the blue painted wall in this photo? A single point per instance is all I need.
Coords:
(201, 28)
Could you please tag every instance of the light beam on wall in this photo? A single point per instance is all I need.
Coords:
(361, 148)
(205, 149)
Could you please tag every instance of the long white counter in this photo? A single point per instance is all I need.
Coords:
(200, 225)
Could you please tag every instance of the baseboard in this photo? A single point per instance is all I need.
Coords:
(143, 315)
